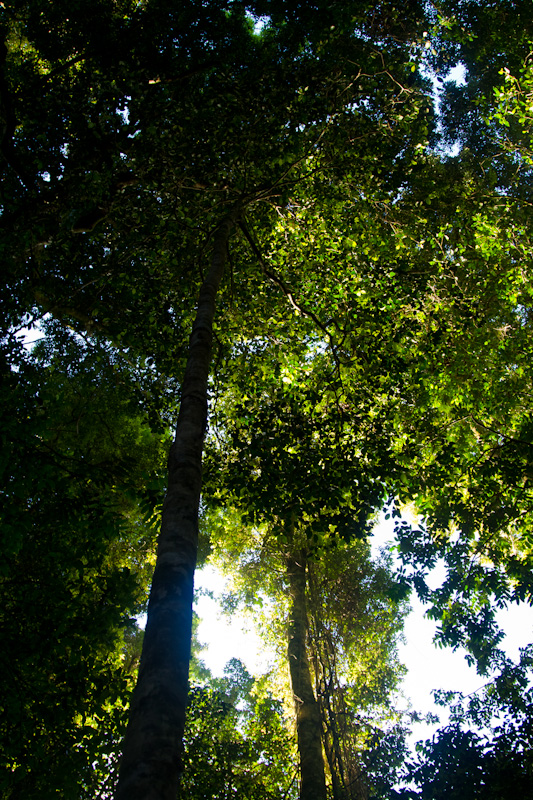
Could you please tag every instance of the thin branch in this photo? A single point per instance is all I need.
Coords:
(305, 312)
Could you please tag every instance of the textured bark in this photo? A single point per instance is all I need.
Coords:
(308, 722)
(151, 759)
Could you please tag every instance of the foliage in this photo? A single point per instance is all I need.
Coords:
(464, 433)
(466, 447)
(374, 331)
(236, 742)
(511, 111)
(123, 150)
(353, 637)
(493, 760)
(78, 487)
(290, 440)
(184, 113)
(354, 627)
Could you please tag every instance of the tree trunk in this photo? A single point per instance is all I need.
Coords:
(308, 724)
(338, 737)
(151, 760)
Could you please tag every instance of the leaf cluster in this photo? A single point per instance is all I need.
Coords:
(82, 479)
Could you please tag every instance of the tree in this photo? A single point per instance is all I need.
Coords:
(137, 137)
(512, 109)
(286, 457)
(334, 629)
(468, 444)
(109, 171)
(236, 741)
(306, 707)
(81, 474)
(353, 636)
(492, 757)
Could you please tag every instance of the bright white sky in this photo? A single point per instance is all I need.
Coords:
(428, 667)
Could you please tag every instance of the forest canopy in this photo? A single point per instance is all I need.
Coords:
(278, 263)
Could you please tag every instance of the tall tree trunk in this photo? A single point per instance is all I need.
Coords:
(151, 759)
(340, 743)
(308, 723)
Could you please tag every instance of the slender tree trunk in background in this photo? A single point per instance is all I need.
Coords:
(308, 723)
(323, 659)
(337, 734)
(151, 759)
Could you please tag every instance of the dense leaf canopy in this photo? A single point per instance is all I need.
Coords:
(369, 342)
